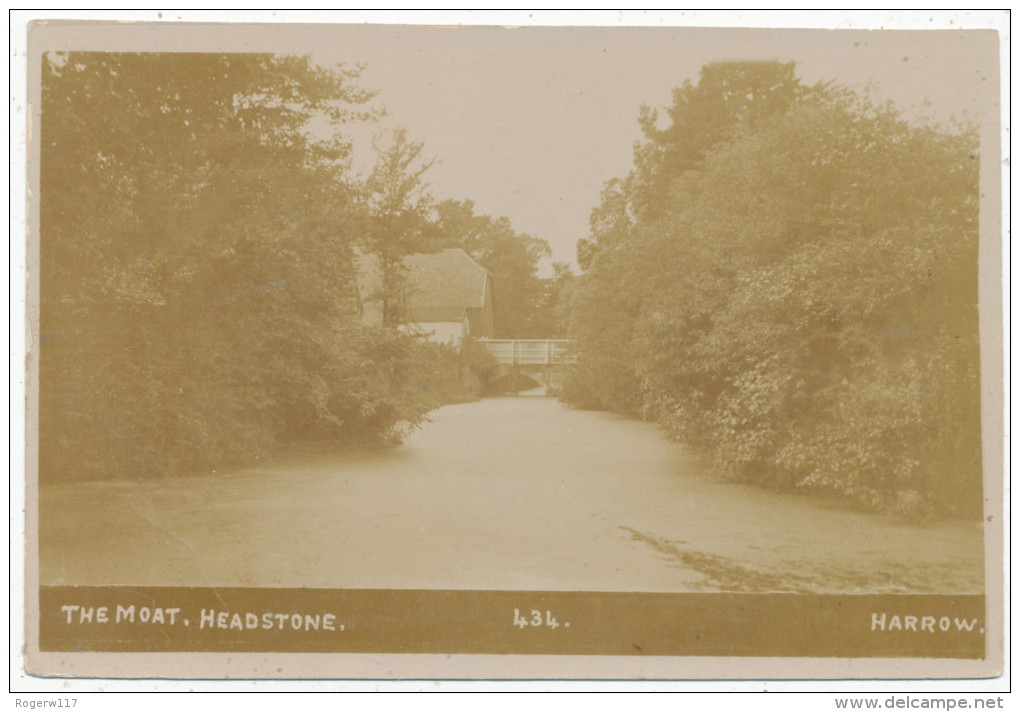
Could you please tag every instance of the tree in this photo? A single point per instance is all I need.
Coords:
(795, 294)
(552, 317)
(728, 95)
(843, 353)
(618, 267)
(399, 204)
(198, 300)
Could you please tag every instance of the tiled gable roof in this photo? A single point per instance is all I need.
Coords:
(448, 278)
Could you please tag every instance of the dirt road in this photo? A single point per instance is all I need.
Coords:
(512, 493)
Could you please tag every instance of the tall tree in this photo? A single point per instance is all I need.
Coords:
(552, 320)
(798, 297)
(727, 97)
(197, 286)
(399, 203)
(844, 352)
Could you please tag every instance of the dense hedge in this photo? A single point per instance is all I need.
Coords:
(794, 291)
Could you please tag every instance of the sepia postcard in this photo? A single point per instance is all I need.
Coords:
(394, 351)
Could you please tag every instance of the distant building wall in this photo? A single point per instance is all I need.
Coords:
(482, 318)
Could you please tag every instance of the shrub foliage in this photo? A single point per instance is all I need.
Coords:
(788, 279)
(198, 300)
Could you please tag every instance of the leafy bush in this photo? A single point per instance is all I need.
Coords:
(801, 299)
(198, 301)
(452, 374)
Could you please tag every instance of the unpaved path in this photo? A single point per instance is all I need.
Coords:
(511, 493)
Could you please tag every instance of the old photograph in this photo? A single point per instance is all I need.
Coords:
(635, 342)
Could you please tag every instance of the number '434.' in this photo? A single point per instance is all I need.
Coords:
(535, 620)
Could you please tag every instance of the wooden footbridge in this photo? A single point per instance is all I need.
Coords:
(530, 352)
(541, 359)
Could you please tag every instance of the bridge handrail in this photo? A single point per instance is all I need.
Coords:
(537, 341)
(530, 352)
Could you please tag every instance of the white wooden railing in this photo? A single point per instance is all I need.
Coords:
(530, 352)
